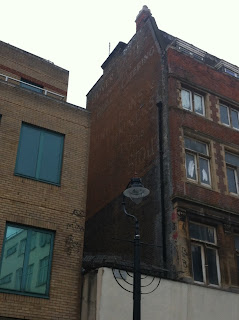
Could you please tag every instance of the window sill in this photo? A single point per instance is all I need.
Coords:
(38, 180)
(25, 294)
(195, 183)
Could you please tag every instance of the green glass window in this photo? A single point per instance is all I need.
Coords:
(29, 272)
(39, 154)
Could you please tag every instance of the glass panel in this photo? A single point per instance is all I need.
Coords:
(204, 171)
(28, 151)
(198, 104)
(50, 157)
(232, 159)
(33, 240)
(212, 266)
(234, 116)
(196, 145)
(238, 266)
(11, 264)
(31, 86)
(197, 263)
(201, 232)
(237, 242)
(190, 166)
(18, 279)
(39, 257)
(22, 246)
(186, 99)
(231, 180)
(224, 114)
(29, 278)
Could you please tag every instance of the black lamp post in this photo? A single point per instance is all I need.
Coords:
(136, 192)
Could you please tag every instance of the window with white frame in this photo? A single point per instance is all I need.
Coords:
(229, 116)
(205, 261)
(193, 101)
(232, 164)
(197, 161)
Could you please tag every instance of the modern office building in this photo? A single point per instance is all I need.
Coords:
(44, 145)
(169, 112)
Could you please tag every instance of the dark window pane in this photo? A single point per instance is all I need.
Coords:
(204, 171)
(196, 145)
(50, 156)
(31, 85)
(234, 116)
(237, 242)
(212, 266)
(197, 263)
(198, 104)
(238, 267)
(232, 159)
(190, 166)
(224, 114)
(231, 179)
(201, 232)
(28, 151)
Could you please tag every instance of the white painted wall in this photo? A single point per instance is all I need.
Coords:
(170, 301)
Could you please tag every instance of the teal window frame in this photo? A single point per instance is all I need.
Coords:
(26, 269)
(40, 154)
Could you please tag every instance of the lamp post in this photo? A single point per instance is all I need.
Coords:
(136, 192)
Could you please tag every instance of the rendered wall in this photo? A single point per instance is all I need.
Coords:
(171, 300)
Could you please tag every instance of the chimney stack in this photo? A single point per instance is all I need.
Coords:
(142, 17)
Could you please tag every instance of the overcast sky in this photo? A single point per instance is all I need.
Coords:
(75, 35)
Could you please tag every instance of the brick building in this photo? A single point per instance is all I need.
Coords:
(170, 112)
(44, 158)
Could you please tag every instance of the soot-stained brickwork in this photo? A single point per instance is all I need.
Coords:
(142, 122)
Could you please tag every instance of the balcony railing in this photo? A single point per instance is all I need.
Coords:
(44, 91)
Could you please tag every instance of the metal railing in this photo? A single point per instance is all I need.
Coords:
(44, 91)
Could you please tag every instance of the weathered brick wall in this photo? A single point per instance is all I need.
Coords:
(124, 140)
(216, 86)
(213, 205)
(43, 205)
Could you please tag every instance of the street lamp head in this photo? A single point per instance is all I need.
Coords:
(136, 191)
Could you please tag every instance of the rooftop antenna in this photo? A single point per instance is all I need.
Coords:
(109, 48)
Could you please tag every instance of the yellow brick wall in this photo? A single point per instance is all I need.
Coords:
(43, 205)
(18, 63)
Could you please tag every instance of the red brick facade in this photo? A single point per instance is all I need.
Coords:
(139, 125)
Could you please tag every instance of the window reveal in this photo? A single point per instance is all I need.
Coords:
(205, 262)
(197, 161)
(193, 102)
